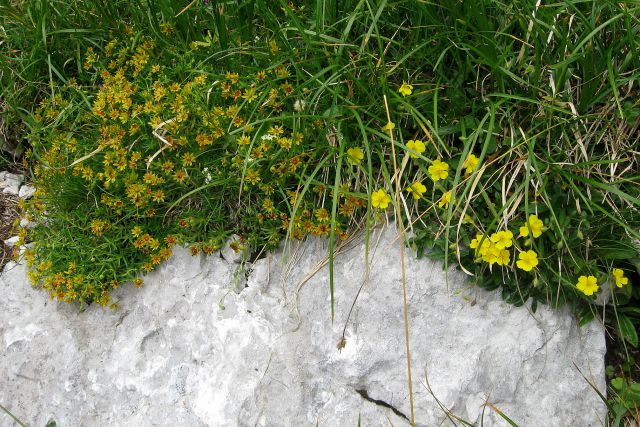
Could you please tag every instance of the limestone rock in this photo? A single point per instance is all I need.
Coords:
(10, 183)
(11, 241)
(24, 222)
(230, 253)
(183, 350)
(26, 191)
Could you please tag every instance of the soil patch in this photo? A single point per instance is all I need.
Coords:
(9, 211)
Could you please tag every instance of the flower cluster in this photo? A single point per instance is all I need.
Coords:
(495, 248)
(147, 149)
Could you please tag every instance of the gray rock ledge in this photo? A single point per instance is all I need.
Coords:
(185, 350)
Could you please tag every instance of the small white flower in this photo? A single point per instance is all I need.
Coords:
(299, 105)
(207, 175)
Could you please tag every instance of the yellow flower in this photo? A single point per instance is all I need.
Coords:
(587, 285)
(98, 227)
(233, 77)
(158, 196)
(322, 215)
(417, 146)
(618, 275)
(244, 140)
(389, 127)
(380, 199)
(188, 159)
(405, 89)
(502, 239)
(438, 170)
(166, 28)
(470, 164)
(445, 200)
(250, 94)
(535, 224)
(253, 177)
(491, 254)
(527, 260)
(417, 189)
(355, 155)
(503, 257)
(476, 242)
(136, 231)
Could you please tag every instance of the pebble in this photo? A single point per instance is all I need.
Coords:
(11, 242)
(10, 183)
(26, 191)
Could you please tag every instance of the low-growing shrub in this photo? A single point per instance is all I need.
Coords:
(146, 155)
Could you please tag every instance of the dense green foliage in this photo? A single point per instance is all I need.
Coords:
(515, 131)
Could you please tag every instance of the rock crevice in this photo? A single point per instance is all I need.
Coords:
(365, 395)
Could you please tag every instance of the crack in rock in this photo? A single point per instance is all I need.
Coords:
(365, 395)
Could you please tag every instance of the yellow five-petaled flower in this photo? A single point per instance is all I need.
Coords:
(619, 277)
(405, 89)
(355, 155)
(470, 164)
(417, 189)
(438, 170)
(535, 224)
(417, 146)
(588, 285)
(488, 251)
(445, 200)
(527, 260)
(389, 127)
(502, 239)
(380, 199)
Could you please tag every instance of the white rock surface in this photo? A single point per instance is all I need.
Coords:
(11, 241)
(230, 254)
(26, 191)
(10, 183)
(26, 223)
(185, 351)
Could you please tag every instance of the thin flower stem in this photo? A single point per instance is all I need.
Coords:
(404, 275)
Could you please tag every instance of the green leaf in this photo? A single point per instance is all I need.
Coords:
(585, 317)
(631, 310)
(617, 383)
(628, 330)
